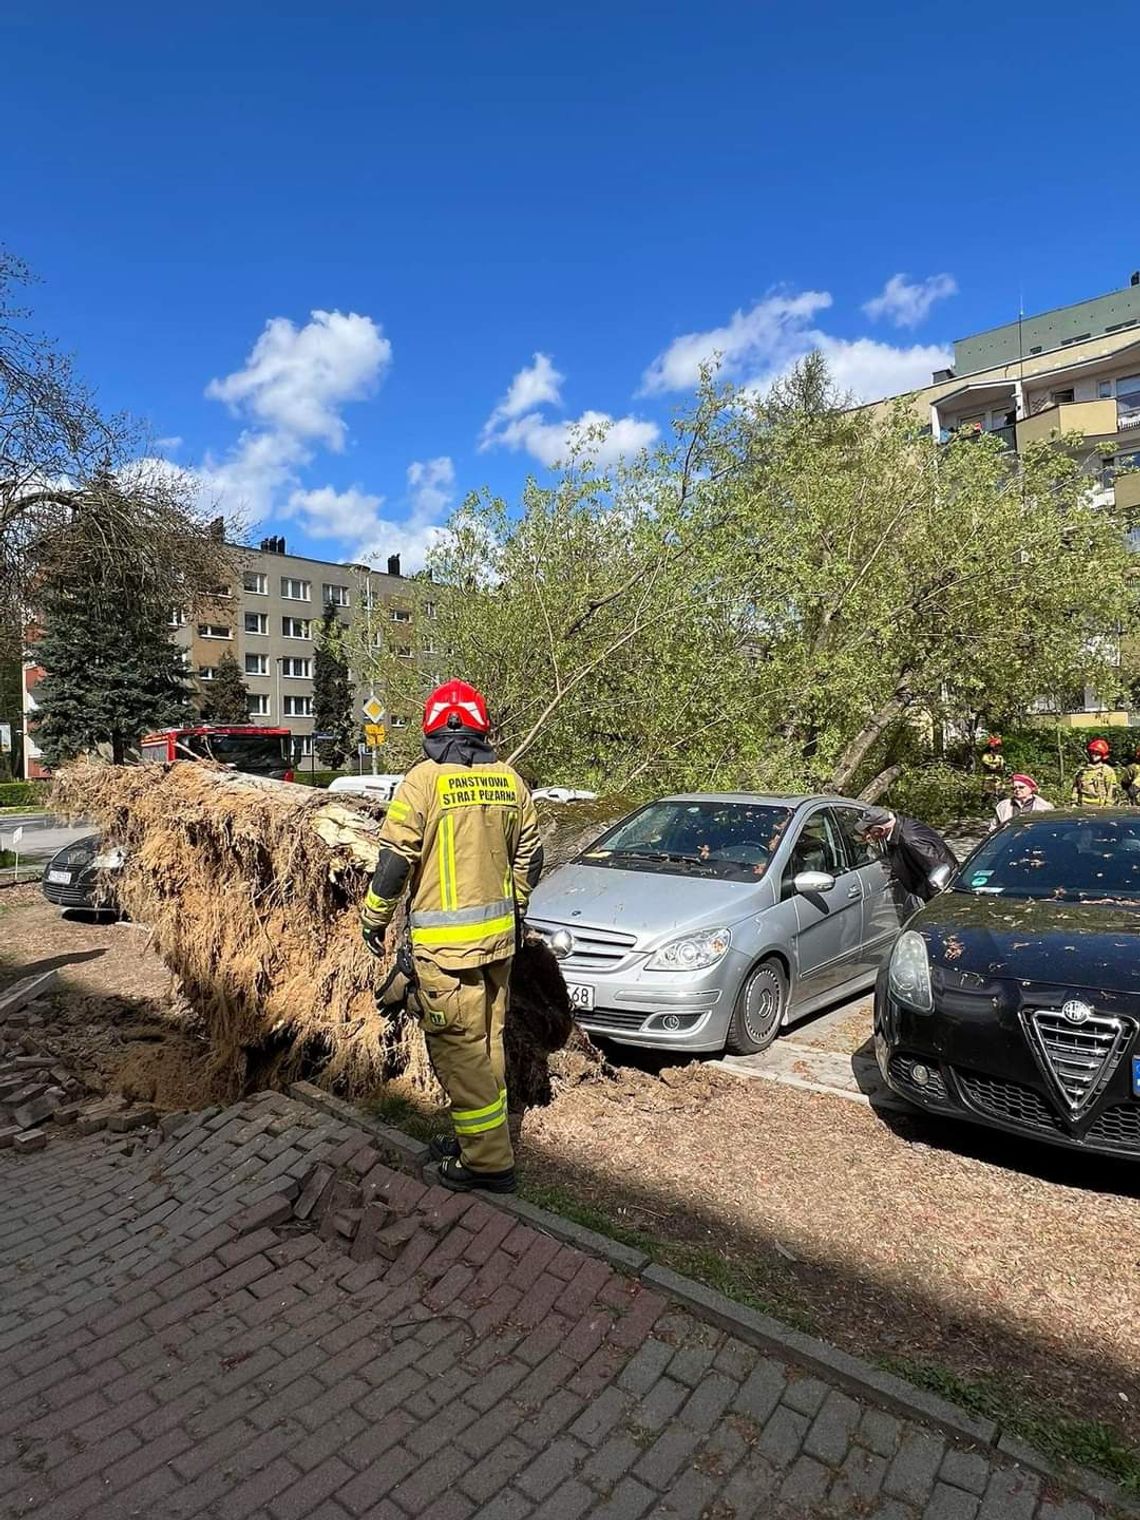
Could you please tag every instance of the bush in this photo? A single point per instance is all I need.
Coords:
(23, 794)
(935, 793)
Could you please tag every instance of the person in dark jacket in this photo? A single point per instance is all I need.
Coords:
(911, 850)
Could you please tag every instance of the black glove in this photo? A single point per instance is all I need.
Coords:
(374, 939)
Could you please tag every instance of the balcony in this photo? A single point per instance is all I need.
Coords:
(1128, 491)
(1094, 419)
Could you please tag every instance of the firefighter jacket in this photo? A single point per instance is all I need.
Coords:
(1130, 779)
(1096, 786)
(467, 836)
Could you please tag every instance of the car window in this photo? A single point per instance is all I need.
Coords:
(816, 848)
(860, 852)
(731, 840)
(1086, 858)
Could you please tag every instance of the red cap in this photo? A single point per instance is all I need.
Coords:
(1025, 780)
(994, 741)
(455, 700)
(1098, 747)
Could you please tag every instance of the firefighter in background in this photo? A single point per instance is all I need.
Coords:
(1130, 778)
(993, 770)
(462, 827)
(1095, 784)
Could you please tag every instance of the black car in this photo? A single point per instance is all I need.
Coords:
(1013, 998)
(76, 876)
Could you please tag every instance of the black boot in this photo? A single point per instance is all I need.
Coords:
(441, 1147)
(461, 1179)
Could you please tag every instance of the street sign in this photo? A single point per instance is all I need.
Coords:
(5, 738)
(323, 738)
(373, 709)
(17, 835)
(375, 734)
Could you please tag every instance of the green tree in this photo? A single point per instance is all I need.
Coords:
(226, 698)
(111, 671)
(332, 692)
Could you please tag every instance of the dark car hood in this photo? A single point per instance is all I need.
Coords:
(1034, 940)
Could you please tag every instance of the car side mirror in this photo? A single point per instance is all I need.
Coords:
(811, 883)
(940, 877)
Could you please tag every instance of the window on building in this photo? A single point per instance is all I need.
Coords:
(1062, 398)
(304, 743)
(1103, 389)
(428, 646)
(258, 705)
(298, 707)
(178, 618)
(337, 595)
(257, 664)
(402, 651)
(207, 672)
(401, 615)
(257, 622)
(1128, 402)
(297, 667)
(214, 631)
(429, 609)
(294, 590)
(295, 628)
(255, 582)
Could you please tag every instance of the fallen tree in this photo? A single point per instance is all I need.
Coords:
(251, 891)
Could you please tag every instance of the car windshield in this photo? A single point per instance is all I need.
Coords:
(734, 841)
(1087, 858)
(258, 754)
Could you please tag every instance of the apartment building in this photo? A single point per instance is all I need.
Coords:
(268, 619)
(1072, 370)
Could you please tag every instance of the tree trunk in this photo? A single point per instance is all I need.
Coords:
(118, 747)
(875, 789)
(857, 751)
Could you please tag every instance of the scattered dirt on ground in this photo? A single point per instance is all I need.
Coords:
(892, 1238)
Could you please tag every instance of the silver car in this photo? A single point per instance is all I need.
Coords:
(710, 921)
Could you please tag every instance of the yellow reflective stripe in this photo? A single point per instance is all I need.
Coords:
(481, 1113)
(481, 1127)
(451, 934)
(377, 904)
(448, 892)
(398, 811)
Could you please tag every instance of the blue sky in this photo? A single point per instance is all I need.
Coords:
(616, 188)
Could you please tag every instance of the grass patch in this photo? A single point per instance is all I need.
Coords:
(402, 1113)
(716, 1270)
(1087, 1443)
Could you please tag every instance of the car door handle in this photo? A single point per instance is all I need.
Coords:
(855, 891)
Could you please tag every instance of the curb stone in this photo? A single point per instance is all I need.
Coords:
(761, 1330)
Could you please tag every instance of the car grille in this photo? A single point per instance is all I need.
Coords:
(1117, 1128)
(1078, 1058)
(602, 1019)
(1008, 1100)
(594, 949)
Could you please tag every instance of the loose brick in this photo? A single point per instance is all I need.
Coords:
(30, 1140)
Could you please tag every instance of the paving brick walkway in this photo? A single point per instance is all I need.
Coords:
(258, 1320)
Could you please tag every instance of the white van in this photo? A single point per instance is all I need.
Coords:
(380, 788)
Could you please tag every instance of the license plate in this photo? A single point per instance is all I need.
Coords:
(1136, 1076)
(581, 996)
(61, 878)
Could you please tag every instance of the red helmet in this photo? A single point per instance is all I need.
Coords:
(1098, 747)
(455, 705)
(994, 741)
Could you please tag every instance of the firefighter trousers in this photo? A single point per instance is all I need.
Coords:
(463, 1013)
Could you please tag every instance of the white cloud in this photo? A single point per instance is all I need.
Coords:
(871, 370)
(431, 485)
(168, 445)
(297, 378)
(906, 303)
(351, 516)
(750, 340)
(538, 384)
(356, 518)
(756, 347)
(256, 471)
(517, 423)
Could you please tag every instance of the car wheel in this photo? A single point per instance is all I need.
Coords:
(759, 1011)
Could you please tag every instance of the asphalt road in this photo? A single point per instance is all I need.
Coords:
(44, 834)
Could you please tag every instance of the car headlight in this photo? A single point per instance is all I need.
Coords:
(908, 978)
(692, 952)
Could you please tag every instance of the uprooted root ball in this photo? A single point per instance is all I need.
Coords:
(252, 890)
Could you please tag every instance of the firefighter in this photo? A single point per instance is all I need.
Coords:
(462, 827)
(993, 770)
(1130, 778)
(1095, 784)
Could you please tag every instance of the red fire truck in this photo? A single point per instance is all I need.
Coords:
(242, 747)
